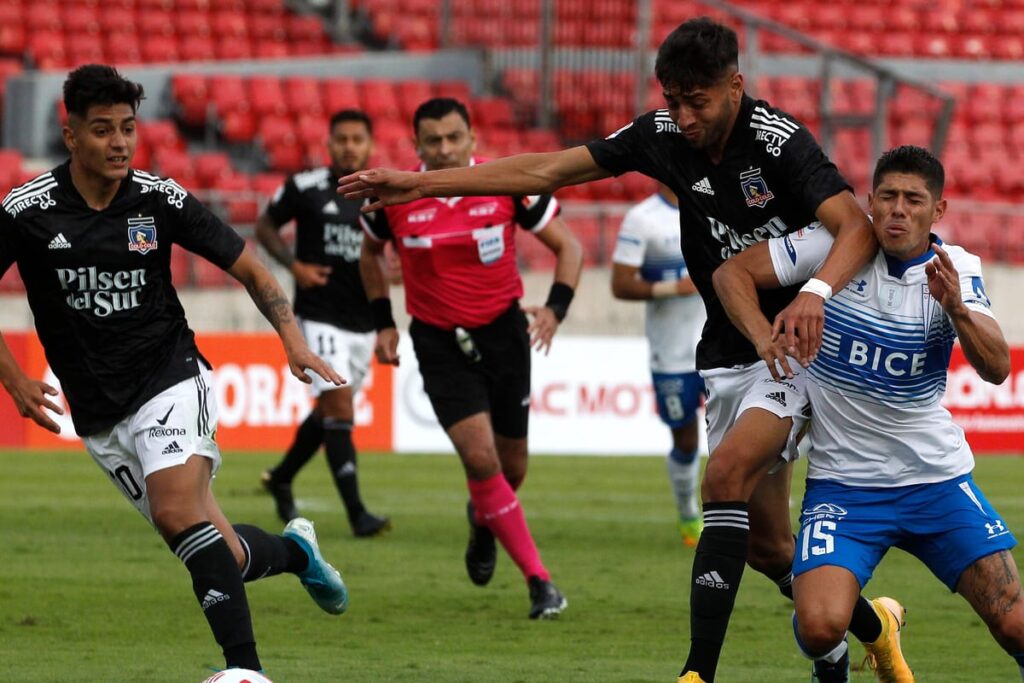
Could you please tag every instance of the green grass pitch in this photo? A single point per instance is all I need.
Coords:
(88, 592)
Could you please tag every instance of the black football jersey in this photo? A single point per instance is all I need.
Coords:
(327, 233)
(770, 182)
(99, 286)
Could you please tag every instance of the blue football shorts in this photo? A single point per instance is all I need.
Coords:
(678, 395)
(947, 525)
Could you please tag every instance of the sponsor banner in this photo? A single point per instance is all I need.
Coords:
(992, 416)
(259, 401)
(590, 395)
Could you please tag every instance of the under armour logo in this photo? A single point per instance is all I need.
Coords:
(996, 529)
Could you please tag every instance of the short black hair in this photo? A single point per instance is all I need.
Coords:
(915, 160)
(438, 108)
(351, 115)
(697, 54)
(94, 84)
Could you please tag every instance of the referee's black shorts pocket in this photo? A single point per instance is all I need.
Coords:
(456, 388)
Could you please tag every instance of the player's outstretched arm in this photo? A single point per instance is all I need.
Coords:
(375, 282)
(557, 237)
(980, 336)
(803, 320)
(272, 302)
(29, 395)
(306, 274)
(519, 175)
(736, 282)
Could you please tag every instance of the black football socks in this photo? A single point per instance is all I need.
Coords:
(217, 583)
(308, 438)
(269, 555)
(717, 570)
(341, 457)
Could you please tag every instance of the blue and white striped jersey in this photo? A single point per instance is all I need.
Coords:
(649, 240)
(877, 383)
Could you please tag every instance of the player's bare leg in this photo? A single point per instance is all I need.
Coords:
(825, 599)
(494, 505)
(337, 414)
(992, 587)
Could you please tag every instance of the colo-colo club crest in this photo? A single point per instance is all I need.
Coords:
(142, 234)
(755, 190)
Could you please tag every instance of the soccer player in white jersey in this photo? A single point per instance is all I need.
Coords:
(648, 266)
(888, 466)
(92, 240)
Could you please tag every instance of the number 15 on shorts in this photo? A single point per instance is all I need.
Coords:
(815, 538)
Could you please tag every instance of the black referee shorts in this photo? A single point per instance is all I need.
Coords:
(498, 383)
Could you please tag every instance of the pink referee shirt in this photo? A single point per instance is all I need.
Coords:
(458, 254)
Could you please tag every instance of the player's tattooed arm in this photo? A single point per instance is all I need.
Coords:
(272, 302)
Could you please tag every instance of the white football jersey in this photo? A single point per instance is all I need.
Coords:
(649, 240)
(877, 383)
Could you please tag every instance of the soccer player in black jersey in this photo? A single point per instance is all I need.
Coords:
(332, 309)
(92, 239)
(744, 171)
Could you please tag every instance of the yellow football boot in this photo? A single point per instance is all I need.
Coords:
(885, 655)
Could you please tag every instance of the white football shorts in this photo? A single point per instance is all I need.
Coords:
(167, 430)
(730, 391)
(349, 353)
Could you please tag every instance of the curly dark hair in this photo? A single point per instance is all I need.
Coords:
(94, 84)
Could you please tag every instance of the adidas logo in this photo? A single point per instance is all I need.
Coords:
(213, 597)
(712, 580)
(777, 396)
(172, 447)
(331, 208)
(703, 185)
(59, 242)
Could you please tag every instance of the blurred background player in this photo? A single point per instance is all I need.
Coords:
(92, 239)
(648, 266)
(471, 337)
(332, 311)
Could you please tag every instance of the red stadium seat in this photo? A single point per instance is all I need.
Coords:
(411, 94)
(191, 96)
(84, 19)
(311, 129)
(266, 96)
(302, 95)
(154, 23)
(210, 167)
(233, 47)
(46, 50)
(287, 158)
(277, 131)
(379, 99)
(305, 28)
(13, 38)
(159, 49)
(493, 111)
(197, 48)
(84, 48)
(238, 126)
(340, 93)
(458, 90)
(271, 49)
(267, 27)
(43, 18)
(192, 24)
(229, 23)
(228, 93)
